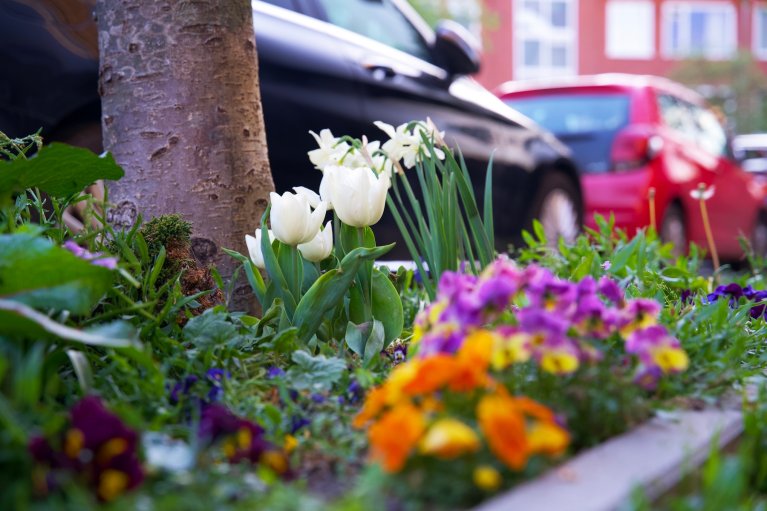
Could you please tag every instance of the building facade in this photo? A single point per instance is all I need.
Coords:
(548, 38)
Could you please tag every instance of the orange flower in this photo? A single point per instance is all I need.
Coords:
(374, 403)
(503, 425)
(433, 373)
(395, 435)
(473, 360)
(534, 408)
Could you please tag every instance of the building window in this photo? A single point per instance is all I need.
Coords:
(699, 29)
(545, 38)
(760, 31)
(630, 29)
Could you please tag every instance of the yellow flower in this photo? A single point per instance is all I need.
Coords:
(559, 362)
(449, 438)
(275, 460)
(393, 437)
(642, 321)
(487, 478)
(111, 484)
(510, 350)
(547, 438)
(290, 443)
(670, 359)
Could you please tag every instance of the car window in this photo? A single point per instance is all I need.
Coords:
(586, 123)
(379, 20)
(711, 134)
(678, 116)
(287, 4)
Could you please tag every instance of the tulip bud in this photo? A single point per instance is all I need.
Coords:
(320, 247)
(292, 219)
(254, 248)
(358, 195)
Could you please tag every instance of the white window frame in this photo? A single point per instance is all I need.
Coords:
(685, 9)
(610, 53)
(547, 35)
(756, 31)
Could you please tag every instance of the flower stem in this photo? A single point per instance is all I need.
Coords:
(651, 199)
(365, 277)
(707, 228)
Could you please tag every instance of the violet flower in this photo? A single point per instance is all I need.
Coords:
(95, 258)
(97, 446)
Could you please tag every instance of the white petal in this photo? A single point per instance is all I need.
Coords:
(311, 195)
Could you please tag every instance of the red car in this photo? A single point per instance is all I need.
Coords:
(629, 134)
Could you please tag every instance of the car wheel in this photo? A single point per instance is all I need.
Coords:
(759, 238)
(558, 208)
(674, 230)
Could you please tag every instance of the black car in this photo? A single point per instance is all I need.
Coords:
(323, 64)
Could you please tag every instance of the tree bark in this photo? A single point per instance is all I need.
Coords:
(182, 115)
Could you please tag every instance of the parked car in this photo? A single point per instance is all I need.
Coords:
(751, 150)
(629, 134)
(323, 64)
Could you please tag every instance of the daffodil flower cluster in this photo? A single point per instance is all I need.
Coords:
(556, 323)
(412, 415)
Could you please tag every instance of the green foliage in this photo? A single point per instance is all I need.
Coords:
(58, 169)
(739, 81)
(444, 228)
(166, 230)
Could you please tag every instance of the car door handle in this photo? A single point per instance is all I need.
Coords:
(380, 71)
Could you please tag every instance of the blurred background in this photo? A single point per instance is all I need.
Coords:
(717, 47)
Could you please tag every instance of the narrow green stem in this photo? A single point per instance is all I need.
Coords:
(365, 279)
(296, 271)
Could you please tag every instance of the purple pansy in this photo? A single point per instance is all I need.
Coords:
(97, 446)
(95, 258)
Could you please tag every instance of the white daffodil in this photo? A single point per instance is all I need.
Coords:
(703, 193)
(254, 247)
(293, 221)
(406, 145)
(358, 195)
(331, 149)
(320, 247)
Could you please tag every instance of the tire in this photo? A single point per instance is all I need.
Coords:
(558, 207)
(673, 229)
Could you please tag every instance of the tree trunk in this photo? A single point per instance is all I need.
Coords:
(182, 115)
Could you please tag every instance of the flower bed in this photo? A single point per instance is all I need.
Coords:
(125, 380)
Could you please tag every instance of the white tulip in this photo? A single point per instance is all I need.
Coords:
(254, 248)
(358, 195)
(320, 247)
(293, 221)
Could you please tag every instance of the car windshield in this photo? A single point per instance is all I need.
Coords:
(379, 20)
(587, 123)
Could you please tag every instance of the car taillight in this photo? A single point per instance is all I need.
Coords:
(634, 147)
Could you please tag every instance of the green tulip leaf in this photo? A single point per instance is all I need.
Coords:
(328, 291)
(375, 342)
(387, 306)
(356, 337)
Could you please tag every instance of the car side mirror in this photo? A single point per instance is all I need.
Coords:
(458, 49)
